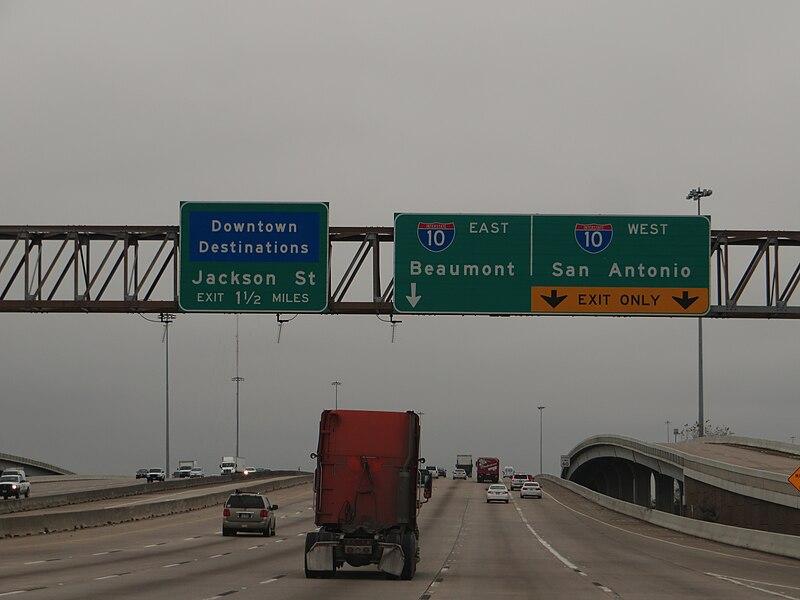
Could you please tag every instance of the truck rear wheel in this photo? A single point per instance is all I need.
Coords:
(409, 545)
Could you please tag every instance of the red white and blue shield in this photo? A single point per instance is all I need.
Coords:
(436, 237)
(593, 237)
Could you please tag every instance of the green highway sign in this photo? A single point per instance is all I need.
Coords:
(253, 257)
(551, 264)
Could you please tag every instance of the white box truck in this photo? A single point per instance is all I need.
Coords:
(231, 465)
(185, 467)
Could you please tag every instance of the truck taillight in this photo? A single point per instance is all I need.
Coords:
(264, 514)
(226, 512)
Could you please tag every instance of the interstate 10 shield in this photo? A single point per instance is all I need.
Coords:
(592, 237)
(436, 237)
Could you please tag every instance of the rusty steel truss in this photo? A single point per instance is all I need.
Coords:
(119, 269)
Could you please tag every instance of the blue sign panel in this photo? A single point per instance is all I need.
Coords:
(255, 236)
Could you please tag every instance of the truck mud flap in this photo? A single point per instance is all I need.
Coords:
(392, 560)
(319, 557)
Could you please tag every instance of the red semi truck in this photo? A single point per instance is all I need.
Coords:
(366, 493)
(488, 469)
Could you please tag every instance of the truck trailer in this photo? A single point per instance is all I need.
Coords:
(366, 493)
(464, 461)
(488, 469)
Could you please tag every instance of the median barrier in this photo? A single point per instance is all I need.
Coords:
(20, 525)
(35, 502)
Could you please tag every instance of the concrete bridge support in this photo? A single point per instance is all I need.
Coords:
(665, 493)
(641, 484)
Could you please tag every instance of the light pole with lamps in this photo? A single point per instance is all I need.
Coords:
(166, 319)
(667, 423)
(697, 194)
(541, 408)
(238, 380)
(336, 385)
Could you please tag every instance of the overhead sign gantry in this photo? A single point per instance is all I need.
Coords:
(551, 264)
(253, 257)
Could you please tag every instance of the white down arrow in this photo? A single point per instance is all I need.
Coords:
(413, 298)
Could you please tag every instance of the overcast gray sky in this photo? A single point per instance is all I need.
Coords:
(112, 113)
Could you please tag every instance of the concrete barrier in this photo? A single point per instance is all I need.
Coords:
(22, 524)
(753, 539)
(35, 502)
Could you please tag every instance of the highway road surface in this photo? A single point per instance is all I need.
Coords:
(560, 547)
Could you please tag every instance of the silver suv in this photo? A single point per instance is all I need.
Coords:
(248, 512)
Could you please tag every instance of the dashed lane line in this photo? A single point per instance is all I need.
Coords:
(748, 583)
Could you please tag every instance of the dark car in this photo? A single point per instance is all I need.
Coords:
(141, 474)
(248, 512)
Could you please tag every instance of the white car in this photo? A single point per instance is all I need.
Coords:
(196, 472)
(459, 474)
(530, 489)
(497, 492)
(433, 471)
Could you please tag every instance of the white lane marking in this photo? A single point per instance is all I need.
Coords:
(279, 541)
(195, 537)
(746, 582)
(172, 565)
(105, 577)
(268, 580)
(254, 547)
(35, 562)
(13, 593)
(547, 546)
(216, 555)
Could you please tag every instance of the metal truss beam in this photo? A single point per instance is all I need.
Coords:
(118, 269)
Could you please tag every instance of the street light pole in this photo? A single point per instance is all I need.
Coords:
(541, 408)
(238, 380)
(667, 422)
(697, 194)
(166, 319)
(336, 385)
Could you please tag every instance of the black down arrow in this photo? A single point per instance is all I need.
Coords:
(553, 299)
(684, 300)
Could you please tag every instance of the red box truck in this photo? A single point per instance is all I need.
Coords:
(366, 493)
(488, 469)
